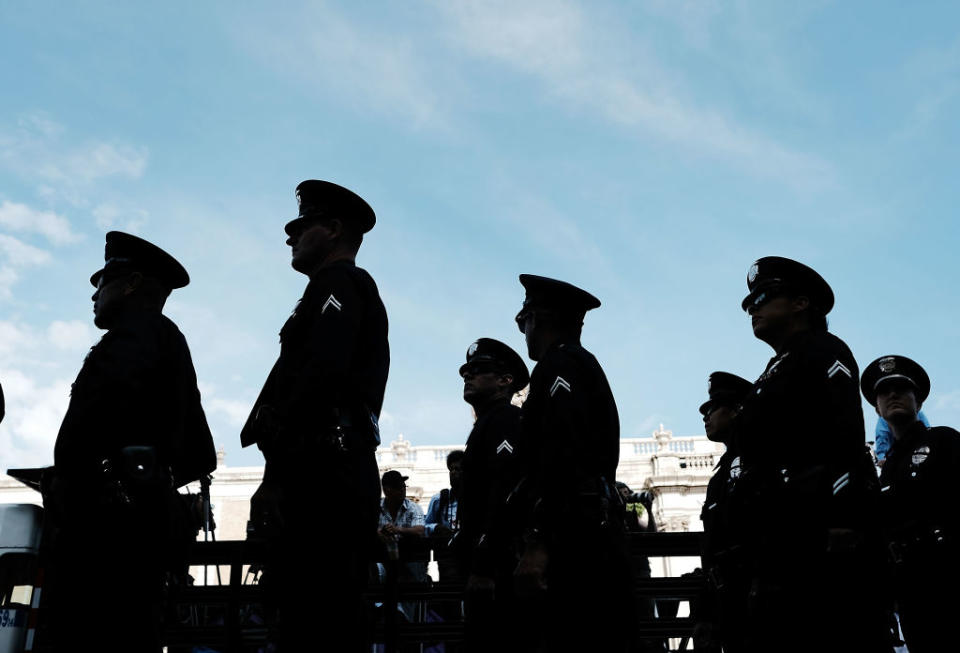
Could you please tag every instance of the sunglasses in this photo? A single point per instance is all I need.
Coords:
(476, 369)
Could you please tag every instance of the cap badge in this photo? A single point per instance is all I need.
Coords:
(472, 350)
(888, 364)
(752, 273)
(920, 454)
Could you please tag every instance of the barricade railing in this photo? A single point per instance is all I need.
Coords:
(230, 617)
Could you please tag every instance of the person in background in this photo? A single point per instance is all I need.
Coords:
(401, 518)
(722, 611)
(920, 494)
(492, 467)
(442, 519)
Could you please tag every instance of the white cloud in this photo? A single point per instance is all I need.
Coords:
(8, 277)
(110, 216)
(693, 17)
(585, 66)
(15, 255)
(234, 412)
(37, 151)
(378, 70)
(555, 232)
(20, 254)
(20, 217)
(34, 412)
(14, 337)
(73, 335)
(947, 401)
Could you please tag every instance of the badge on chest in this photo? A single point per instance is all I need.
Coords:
(920, 455)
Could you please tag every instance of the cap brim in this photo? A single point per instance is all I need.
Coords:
(95, 278)
(705, 406)
(290, 226)
(759, 290)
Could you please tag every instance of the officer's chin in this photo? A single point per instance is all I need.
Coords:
(100, 321)
(298, 264)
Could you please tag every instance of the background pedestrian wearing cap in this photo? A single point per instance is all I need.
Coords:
(316, 423)
(575, 550)
(721, 613)
(920, 498)
(812, 492)
(401, 518)
(487, 544)
(134, 432)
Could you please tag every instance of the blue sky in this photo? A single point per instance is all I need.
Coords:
(646, 151)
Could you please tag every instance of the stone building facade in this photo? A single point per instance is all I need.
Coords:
(676, 469)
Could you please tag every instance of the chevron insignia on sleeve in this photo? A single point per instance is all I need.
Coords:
(558, 384)
(836, 368)
(505, 446)
(331, 301)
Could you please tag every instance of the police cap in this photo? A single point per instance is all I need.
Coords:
(557, 297)
(887, 368)
(124, 253)
(725, 389)
(500, 357)
(323, 199)
(393, 478)
(774, 274)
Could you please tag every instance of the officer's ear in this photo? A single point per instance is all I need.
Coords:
(505, 381)
(335, 227)
(801, 303)
(132, 283)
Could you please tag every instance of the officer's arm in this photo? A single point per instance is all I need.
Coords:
(562, 389)
(329, 352)
(433, 515)
(194, 453)
(848, 467)
(416, 528)
(503, 448)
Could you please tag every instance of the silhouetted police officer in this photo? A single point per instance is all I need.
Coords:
(721, 614)
(920, 496)
(575, 551)
(316, 423)
(134, 431)
(813, 489)
(492, 374)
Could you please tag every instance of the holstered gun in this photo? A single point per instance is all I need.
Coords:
(135, 475)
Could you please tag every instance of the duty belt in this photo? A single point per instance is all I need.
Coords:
(904, 550)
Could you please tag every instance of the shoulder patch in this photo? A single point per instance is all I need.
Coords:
(838, 368)
(558, 384)
(331, 302)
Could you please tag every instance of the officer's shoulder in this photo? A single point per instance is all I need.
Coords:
(569, 355)
(820, 340)
(944, 434)
(823, 348)
(505, 413)
(339, 282)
